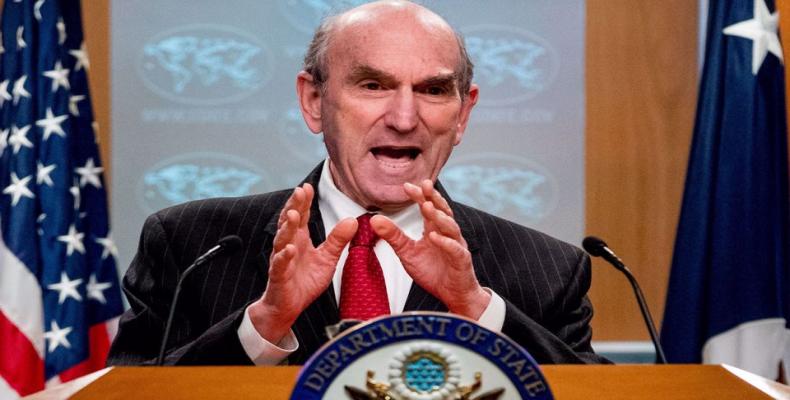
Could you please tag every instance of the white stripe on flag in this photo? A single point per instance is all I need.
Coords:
(6, 392)
(112, 327)
(754, 346)
(52, 382)
(20, 298)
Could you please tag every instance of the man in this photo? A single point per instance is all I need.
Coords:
(389, 85)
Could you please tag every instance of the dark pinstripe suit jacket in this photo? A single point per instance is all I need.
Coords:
(542, 280)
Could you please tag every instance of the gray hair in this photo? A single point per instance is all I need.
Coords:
(316, 62)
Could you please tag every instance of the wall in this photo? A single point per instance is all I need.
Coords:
(641, 94)
(96, 17)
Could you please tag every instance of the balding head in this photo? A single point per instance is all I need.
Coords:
(368, 16)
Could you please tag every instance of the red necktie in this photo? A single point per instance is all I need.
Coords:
(363, 293)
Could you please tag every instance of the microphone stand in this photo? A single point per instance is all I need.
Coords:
(640, 298)
(598, 248)
(227, 244)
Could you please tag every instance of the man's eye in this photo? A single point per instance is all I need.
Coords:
(436, 91)
(372, 85)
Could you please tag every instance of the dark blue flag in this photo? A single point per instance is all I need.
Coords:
(58, 279)
(728, 292)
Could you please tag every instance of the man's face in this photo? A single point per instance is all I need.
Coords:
(391, 111)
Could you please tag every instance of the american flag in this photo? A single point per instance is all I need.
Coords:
(59, 292)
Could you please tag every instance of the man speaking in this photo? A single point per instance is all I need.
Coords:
(369, 232)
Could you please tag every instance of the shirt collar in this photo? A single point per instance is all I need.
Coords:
(336, 205)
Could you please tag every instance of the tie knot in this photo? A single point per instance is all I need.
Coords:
(365, 235)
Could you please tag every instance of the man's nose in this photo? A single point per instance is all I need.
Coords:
(402, 114)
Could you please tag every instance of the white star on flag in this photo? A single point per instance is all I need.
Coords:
(59, 76)
(73, 240)
(39, 220)
(762, 31)
(4, 95)
(51, 124)
(18, 188)
(20, 40)
(66, 288)
(3, 139)
(37, 9)
(96, 289)
(18, 138)
(82, 57)
(90, 174)
(75, 192)
(61, 30)
(73, 106)
(57, 337)
(109, 247)
(42, 174)
(19, 90)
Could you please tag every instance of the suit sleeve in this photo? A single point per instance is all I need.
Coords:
(149, 285)
(563, 337)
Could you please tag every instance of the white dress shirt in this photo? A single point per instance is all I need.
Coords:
(335, 206)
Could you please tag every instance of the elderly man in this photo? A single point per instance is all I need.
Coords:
(369, 232)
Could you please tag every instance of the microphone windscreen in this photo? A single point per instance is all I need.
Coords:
(231, 243)
(593, 245)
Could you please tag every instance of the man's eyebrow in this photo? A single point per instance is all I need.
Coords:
(359, 72)
(362, 71)
(446, 80)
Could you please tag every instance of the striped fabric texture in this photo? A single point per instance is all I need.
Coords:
(542, 280)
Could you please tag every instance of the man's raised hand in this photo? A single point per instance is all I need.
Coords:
(440, 261)
(298, 272)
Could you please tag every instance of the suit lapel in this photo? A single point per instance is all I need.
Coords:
(419, 298)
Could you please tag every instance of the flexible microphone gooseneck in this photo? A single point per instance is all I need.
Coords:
(226, 245)
(598, 248)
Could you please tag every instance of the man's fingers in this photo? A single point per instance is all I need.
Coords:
(339, 237)
(414, 192)
(441, 222)
(293, 202)
(307, 201)
(280, 261)
(387, 230)
(287, 230)
(450, 246)
(433, 195)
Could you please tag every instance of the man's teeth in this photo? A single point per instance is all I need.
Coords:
(395, 154)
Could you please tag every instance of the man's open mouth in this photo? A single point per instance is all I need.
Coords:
(395, 155)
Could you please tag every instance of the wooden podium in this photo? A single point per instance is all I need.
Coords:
(566, 382)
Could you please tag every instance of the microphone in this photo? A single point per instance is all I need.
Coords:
(598, 248)
(227, 245)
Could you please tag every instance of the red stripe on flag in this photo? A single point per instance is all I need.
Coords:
(99, 347)
(20, 364)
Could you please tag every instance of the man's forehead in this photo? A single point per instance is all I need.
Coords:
(358, 64)
(366, 35)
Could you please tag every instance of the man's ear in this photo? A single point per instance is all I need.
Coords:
(309, 101)
(466, 109)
